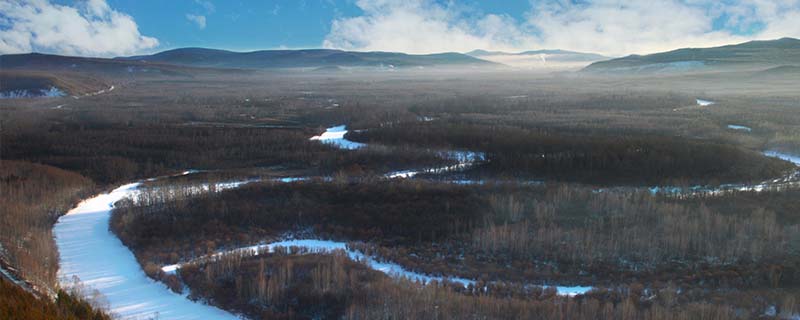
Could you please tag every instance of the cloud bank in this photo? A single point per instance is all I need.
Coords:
(611, 27)
(87, 28)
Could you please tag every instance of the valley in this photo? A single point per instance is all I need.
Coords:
(212, 184)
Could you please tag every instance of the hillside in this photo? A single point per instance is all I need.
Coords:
(753, 54)
(312, 58)
(113, 68)
(32, 84)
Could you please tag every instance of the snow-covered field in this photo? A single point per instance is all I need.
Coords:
(89, 251)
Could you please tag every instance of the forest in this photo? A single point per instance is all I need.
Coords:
(309, 286)
(501, 234)
(596, 159)
(561, 198)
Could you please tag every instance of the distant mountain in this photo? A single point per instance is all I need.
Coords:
(540, 59)
(312, 58)
(97, 66)
(753, 54)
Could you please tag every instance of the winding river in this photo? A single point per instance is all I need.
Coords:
(92, 254)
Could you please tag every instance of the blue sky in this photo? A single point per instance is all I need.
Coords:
(238, 25)
(251, 25)
(612, 27)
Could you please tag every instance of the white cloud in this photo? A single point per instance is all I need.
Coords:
(198, 20)
(620, 27)
(420, 26)
(88, 28)
(613, 27)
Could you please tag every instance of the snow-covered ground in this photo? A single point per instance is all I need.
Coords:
(738, 127)
(89, 251)
(703, 103)
(793, 158)
(388, 268)
(335, 136)
(51, 92)
(91, 94)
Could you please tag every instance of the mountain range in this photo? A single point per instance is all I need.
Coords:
(749, 55)
(782, 54)
(311, 58)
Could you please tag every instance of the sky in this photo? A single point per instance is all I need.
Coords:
(107, 28)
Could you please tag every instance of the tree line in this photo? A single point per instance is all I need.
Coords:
(598, 159)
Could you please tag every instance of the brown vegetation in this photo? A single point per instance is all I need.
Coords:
(32, 197)
(292, 284)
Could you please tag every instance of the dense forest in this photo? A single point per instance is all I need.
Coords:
(598, 159)
(497, 233)
(289, 284)
(387, 212)
(116, 154)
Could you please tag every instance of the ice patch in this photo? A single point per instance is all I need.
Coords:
(738, 127)
(704, 103)
(335, 137)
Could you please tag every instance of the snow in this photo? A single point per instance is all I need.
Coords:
(51, 92)
(738, 127)
(790, 180)
(9, 275)
(91, 94)
(784, 156)
(770, 312)
(425, 118)
(466, 159)
(335, 136)
(572, 291)
(89, 251)
(391, 269)
(704, 103)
